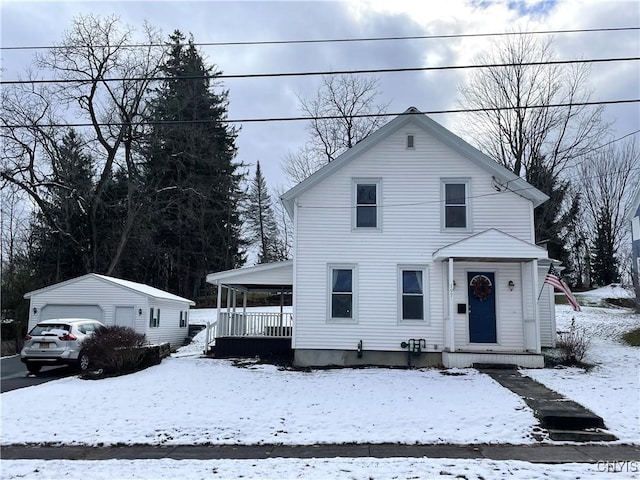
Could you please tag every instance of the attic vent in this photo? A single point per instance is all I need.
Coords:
(410, 141)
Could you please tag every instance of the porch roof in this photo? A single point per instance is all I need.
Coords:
(265, 276)
(490, 245)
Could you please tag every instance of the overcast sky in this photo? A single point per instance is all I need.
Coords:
(43, 23)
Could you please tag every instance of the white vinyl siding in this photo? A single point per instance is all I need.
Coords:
(411, 216)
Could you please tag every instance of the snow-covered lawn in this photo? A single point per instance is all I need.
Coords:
(612, 388)
(315, 468)
(192, 400)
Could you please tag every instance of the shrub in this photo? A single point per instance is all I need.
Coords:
(115, 349)
(572, 344)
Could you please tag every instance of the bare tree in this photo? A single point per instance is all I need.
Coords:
(609, 176)
(514, 122)
(351, 103)
(101, 81)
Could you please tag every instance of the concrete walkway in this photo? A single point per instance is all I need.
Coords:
(564, 419)
(540, 453)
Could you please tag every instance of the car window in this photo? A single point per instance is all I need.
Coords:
(50, 328)
(82, 328)
(88, 327)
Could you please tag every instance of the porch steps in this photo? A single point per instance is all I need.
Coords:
(564, 419)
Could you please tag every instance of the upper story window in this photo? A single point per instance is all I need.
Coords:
(367, 207)
(455, 198)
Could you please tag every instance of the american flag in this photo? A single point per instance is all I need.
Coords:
(554, 279)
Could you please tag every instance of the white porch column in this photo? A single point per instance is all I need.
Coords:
(450, 331)
(536, 310)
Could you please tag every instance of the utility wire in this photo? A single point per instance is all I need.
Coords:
(336, 40)
(323, 117)
(517, 191)
(317, 73)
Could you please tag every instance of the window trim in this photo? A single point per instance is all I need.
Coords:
(354, 204)
(354, 292)
(466, 181)
(425, 294)
(154, 317)
(413, 141)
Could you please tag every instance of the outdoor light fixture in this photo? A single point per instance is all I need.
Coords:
(511, 285)
(35, 310)
(454, 284)
(139, 311)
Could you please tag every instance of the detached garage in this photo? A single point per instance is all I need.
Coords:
(161, 316)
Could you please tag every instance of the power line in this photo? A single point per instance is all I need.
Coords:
(517, 191)
(318, 73)
(337, 40)
(323, 117)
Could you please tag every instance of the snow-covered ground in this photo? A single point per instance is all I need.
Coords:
(612, 388)
(315, 468)
(192, 400)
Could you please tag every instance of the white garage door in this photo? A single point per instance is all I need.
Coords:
(93, 312)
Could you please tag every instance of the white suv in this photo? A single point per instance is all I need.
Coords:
(56, 342)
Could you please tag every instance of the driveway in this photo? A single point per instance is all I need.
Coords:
(14, 374)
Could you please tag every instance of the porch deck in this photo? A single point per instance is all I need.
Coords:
(249, 334)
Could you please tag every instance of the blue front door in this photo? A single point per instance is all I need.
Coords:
(482, 307)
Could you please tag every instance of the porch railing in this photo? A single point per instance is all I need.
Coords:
(254, 324)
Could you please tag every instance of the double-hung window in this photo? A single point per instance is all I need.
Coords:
(455, 196)
(154, 317)
(342, 293)
(367, 204)
(184, 318)
(412, 293)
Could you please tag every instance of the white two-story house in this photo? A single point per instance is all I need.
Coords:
(414, 247)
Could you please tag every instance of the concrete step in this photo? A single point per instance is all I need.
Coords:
(581, 435)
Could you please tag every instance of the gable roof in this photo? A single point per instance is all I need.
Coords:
(483, 246)
(413, 115)
(137, 287)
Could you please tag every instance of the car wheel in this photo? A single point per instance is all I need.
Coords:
(33, 367)
(83, 362)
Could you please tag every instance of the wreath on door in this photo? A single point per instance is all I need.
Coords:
(480, 287)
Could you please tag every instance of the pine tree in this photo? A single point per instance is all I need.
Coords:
(261, 222)
(61, 243)
(192, 179)
(550, 218)
(603, 262)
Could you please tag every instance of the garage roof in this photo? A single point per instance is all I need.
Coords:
(138, 287)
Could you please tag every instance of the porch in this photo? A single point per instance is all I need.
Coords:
(236, 331)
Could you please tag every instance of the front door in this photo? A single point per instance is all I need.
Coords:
(482, 307)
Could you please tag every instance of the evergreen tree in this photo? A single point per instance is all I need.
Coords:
(61, 243)
(550, 218)
(261, 222)
(603, 262)
(192, 179)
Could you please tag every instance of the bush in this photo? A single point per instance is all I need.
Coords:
(115, 349)
(572, 344)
